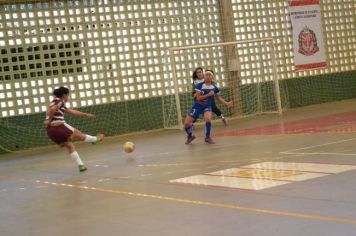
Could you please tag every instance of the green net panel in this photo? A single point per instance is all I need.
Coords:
(108, 53)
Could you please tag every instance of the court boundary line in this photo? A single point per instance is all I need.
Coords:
(205, 203)
(318, 163)
(294, 151)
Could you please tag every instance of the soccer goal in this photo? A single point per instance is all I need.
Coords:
(245, 72)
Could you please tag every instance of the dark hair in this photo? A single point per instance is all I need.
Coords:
(59, 92)
(210, 71)
(194, 76)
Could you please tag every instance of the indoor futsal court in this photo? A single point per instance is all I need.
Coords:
(270, 175)
(189, 117)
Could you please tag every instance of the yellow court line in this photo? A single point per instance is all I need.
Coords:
(205, 203)
(200, 163)
(188, 163)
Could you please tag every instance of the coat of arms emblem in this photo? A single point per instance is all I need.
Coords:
(308, 43)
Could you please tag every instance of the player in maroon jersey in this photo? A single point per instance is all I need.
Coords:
(63, 134)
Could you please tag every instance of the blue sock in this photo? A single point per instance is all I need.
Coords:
(189, 130)
(207, 129)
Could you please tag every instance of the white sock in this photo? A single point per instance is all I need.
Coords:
(90, 139)
(76, 158)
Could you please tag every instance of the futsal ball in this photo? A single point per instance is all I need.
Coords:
(129, 147)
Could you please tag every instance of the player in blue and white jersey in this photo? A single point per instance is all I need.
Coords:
(205, 92)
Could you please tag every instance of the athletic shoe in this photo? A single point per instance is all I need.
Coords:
(190, 139)
(209, 141)
(82, 168)
(99, 138)
(224, 120)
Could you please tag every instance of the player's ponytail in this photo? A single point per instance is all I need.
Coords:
(59, 92)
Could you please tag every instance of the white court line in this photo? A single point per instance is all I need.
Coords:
(320, 153)
(293, 151)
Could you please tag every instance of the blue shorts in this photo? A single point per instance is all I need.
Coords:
(197, 110)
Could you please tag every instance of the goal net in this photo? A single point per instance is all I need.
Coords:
(245, 72)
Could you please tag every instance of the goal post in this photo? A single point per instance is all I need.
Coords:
(245, 72)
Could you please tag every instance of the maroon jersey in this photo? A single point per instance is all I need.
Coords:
(58, 116)
(59, 131)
